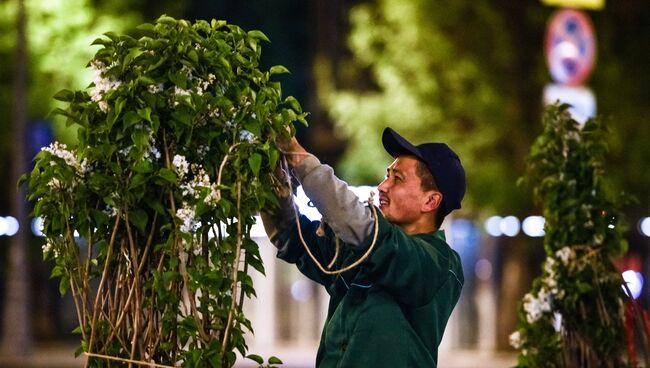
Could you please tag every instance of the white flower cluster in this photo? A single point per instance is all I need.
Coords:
(153, 152)
(516, 340)
(102, 84)
(61, 150)
(205, 84)
(181, 92)
(181, 165)
(201, 179)
(245, 135)
(48, 248)
(201, 87)
(213, 112)
(550, 279)
(537, 305)
(188, 218)
(566, 255)
(110, 211)
(155, 88)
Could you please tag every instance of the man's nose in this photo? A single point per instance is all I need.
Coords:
(383, 186)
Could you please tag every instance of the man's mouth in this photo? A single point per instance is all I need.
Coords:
(383, 201)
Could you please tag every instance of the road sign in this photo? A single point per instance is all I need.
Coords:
(570, 47)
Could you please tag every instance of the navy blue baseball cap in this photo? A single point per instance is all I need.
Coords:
(441, 161)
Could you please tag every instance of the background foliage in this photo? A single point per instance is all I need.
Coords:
(148, 217)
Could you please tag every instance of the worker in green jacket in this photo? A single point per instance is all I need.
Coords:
(391, 308)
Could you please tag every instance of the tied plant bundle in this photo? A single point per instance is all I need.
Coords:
(147, 219)
(574, 314)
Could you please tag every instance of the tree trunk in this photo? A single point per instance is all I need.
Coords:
(17, 332)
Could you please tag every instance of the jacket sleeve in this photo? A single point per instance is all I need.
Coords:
(292, 250)
(411, 268)
(350, 219)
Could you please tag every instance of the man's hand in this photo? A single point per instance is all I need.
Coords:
(295, 153)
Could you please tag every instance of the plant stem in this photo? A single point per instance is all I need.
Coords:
(235, 272)
(109, 253)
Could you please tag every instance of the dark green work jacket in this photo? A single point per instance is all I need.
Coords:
(391, 311)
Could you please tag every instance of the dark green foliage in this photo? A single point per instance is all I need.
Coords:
(573, 315)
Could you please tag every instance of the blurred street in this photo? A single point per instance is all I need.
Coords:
(62, 356)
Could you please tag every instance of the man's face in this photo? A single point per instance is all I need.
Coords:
(401, 198)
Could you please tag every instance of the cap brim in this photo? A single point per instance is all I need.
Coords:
(396, 145)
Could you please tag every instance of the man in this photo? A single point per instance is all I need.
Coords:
(392, 309)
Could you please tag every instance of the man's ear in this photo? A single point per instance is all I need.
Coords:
(433, 201)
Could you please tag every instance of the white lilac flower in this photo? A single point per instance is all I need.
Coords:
(125, 151)
(103, 105)
(565, 255)
(179, 92)
(201, 179)
(187, 216)
(598, 239)
(549, 266)
(181, 165)
(531, 306)
(152, 153)
(213, 196)
(84, 168)
(516, 340)
(110, 211)
(61, 150)
(203, 150)
(545, 300)
(188, 72)
(254, 115)
(213, 112)
(54, 183)
(155, 88)
(245, 135)
(48, 248)
(557, 321)
(102, 84)
(535, 306)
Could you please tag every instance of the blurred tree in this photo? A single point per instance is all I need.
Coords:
(16, 333)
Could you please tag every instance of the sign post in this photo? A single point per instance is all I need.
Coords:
(570, 49)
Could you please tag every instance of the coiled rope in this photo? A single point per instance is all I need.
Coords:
(320, 232)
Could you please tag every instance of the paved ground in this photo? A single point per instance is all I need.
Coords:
(62, 356)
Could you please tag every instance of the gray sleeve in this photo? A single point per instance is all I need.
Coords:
(350, 219)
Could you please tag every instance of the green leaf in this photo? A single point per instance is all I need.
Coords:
(64, 95)
(275, 360)
(279, 69)
(256, 358)
(258, 35)
(145, 27)
(193, 56)
(131, 118)
(167, 174)
(139, 219)
(143, 167)
(274, 155)
(255, 161)
(140, 138)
